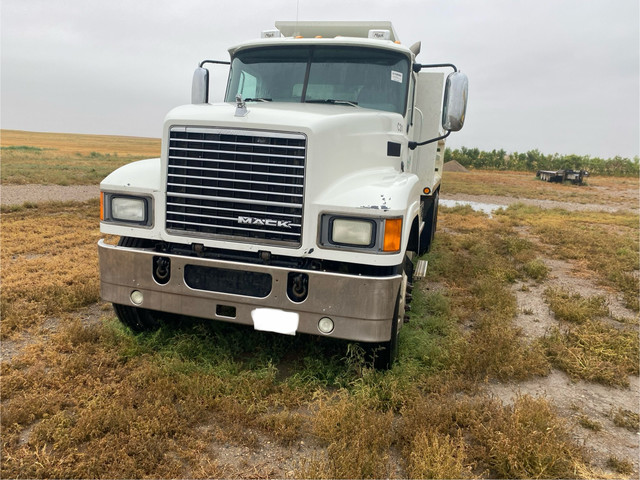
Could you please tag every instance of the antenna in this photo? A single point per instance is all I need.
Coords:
(297, 13)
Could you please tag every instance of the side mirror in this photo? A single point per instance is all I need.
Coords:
(456, 92)
(200, 86)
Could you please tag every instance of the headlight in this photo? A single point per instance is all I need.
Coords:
(347, 231)
(377, 234)
(125, 209)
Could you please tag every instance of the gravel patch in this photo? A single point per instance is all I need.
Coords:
(19, 194)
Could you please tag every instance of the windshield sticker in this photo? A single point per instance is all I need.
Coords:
(396, 76)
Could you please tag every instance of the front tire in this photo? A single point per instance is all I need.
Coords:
(385, 354)
(138, 319)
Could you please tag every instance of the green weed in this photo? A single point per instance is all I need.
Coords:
(573, 307)
(536, 270)
(479, 268)
(27, 148)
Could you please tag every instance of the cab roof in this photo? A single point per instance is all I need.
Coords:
(336, 33)
(334, 29)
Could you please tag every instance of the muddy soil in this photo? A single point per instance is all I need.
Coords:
(541, 203)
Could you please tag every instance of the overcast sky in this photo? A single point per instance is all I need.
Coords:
(557, 75)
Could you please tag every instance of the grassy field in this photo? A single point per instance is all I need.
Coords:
(67, 159)
(84, 397)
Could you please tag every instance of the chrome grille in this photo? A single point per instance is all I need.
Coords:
(239, 184)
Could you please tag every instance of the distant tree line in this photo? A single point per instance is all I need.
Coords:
(534, 160)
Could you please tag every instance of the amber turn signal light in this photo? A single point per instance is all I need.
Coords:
(392, 235)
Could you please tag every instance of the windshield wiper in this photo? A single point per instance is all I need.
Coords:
(258, 99)
(333, 102)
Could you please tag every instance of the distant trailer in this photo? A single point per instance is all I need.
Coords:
(573, 176)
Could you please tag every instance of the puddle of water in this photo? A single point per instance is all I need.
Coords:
(487, 208)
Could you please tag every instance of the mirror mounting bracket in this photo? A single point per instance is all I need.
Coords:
(418, 66)
(455, 101)
(413, 145)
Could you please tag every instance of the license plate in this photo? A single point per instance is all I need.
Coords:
(274, 320)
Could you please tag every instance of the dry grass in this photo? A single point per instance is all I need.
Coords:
(68, 159)
(438, 456)
(626, 419)
(72, 143)
(163, 404)
(589, 423)
(93, 400)
(49, 262)
(603, 245)
(596, 352)
(621, 466)
(527, 440)
(482, 437)
(356, 440)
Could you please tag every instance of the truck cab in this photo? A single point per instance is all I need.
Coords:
(298, 203)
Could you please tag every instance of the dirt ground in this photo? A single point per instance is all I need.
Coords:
(576, 399)
(573, 399)
(19, 194)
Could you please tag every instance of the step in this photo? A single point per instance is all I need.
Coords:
(421, 269)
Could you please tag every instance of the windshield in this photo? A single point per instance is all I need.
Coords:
(364, 77)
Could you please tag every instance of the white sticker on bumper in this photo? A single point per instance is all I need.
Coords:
(273, 320)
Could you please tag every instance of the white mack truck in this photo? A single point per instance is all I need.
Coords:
(298, 204)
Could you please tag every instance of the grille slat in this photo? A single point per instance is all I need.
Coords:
(236, 162)
(241, 144)
(237, 180)
(238, 190)
(244, 185)
(232, 210)
(253, 172)
(257, 202)
(235, 152)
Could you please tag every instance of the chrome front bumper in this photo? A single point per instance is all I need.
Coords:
(361, 307)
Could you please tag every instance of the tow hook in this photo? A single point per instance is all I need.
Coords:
(161, 269)
(297, 286)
